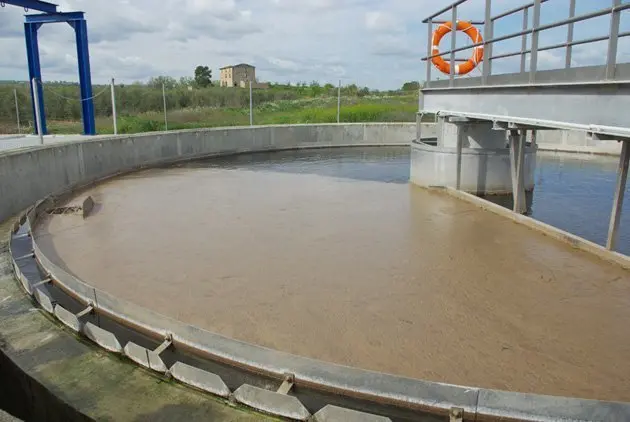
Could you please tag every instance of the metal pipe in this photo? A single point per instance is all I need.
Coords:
(453, 70)
(487, 48)
(613, 39)
(533, 56)
(561, 45)
(470, 22)
(114, 108)
(620, 8)
(164, 99)
(569, 51)
(515, 10)
(17, 111)
(38, 112)
(429, 49)
(524, 38)
(446, 9)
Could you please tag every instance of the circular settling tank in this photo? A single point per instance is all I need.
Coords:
(332, 255)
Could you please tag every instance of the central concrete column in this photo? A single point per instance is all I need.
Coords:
(472, 156)
(478, 135)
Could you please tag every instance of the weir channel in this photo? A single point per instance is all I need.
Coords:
(386, 277)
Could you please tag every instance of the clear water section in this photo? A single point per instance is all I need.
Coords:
(574, 192)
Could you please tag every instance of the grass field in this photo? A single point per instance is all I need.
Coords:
(140, 107)
(318, 110)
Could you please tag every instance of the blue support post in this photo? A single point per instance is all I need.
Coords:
(85, 78)
(34, 71)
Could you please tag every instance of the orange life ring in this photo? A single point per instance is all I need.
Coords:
(460, 69)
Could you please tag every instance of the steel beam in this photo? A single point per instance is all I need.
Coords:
(42, 6)
(622, 177)
(85, 76)
(54, 17)
(35, 73)
(517, 164)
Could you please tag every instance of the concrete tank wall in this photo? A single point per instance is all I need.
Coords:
(29, 175)
(483, 171)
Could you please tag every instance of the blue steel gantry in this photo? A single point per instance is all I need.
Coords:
(77, 21)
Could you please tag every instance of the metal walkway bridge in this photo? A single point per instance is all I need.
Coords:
(595, 99)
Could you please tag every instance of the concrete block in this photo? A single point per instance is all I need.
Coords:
(200, 379)
(68, 318)
(271, 402)
(23, 280)
(87, 206)
(103, 338)
(44, 300)
(339, 414)
(144, 357)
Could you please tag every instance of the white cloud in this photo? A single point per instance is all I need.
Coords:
(381, 21)
(367, 42)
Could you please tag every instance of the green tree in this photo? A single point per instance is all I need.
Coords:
(203, 76)
(157, 82)
(411, 86)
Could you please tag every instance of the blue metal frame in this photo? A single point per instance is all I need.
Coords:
(77, 21)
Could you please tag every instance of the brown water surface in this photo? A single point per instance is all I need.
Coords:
(383, 276)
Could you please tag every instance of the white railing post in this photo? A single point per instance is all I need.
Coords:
(613, 39)
(453, 46)
(533, 56)
(38, 112)
(339, 101)
(164, 99)
(17, 111)
(251, 105)
(114, 108)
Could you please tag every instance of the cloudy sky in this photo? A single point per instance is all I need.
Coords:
(368, 42)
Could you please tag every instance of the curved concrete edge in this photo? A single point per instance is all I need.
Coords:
(497, 405)
(551, 231)
(424, 396)
(427, 396)
(271, 402)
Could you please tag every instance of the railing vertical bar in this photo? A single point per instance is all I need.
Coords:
(487, 48)
(533, 58)
(570, 35)
(453, 71)
(524, 38)
(427, 82)
(611, 61)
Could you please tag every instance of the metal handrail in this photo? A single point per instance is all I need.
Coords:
(560, 45)
(575, 19)
(516, 10)
(489, 40)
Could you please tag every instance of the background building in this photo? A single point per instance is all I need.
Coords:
(238, 75)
